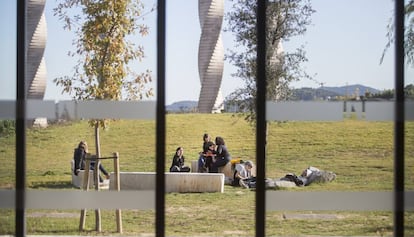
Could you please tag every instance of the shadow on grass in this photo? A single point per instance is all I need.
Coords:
(52, 185)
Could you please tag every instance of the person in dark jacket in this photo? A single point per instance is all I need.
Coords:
(177, 164)
(79, 159)
(222, 155)
(206, 156)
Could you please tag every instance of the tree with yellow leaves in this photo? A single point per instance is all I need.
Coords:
(104, 29)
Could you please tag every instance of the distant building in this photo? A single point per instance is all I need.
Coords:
(35, 45)
(36, 34)
(210, 56)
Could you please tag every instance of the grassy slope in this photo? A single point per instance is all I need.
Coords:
(359, 152)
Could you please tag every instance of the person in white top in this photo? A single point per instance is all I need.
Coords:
(242, 173)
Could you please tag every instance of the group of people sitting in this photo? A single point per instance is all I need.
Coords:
(213, 156)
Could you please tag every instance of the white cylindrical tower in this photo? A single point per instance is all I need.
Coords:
(210, 55)
(35, 45)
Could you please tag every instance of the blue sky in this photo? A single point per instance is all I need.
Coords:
(344, 45)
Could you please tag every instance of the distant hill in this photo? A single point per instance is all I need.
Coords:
(182, 106)
(307, 93)
(351, 89)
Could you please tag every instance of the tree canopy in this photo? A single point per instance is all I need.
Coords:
(285, 19)
(105, 34)
(408, 34)
(105, 47)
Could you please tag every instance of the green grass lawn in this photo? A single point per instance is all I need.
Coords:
(359, 152)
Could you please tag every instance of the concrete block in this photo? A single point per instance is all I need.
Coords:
(227, 170)
(284, 184)
(194, 166)
(77, 180)
(174, 182)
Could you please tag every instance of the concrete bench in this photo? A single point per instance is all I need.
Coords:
(226, 170)
(174, 182)
(194, 166)
(77, 180)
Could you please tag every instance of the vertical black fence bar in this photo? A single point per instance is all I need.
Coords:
(160, 127)
(261, 118)
(21, 120)
(399, 120)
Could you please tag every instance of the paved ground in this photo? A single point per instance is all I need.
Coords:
(146, 235)
(285, 216)
(175, 236)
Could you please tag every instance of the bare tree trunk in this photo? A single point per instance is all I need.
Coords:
(98, 226)
(97, 141)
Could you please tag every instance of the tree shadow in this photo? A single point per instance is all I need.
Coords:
(53, 185)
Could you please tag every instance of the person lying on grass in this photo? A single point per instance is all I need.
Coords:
(310, 175)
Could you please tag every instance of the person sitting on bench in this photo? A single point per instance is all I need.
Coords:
(222, 155)
(178, 162)
(79, 160)
(206, 156)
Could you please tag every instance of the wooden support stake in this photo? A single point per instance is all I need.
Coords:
(98, 226)
(85, 187)
(117, 184)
